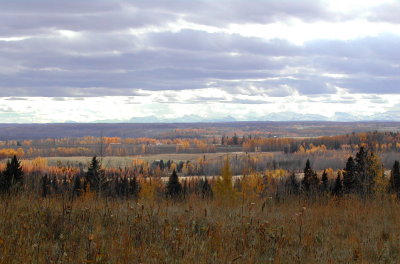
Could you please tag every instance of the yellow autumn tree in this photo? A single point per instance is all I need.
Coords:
(223, 188)
(375, 169)
(253, 186)
(149, 188)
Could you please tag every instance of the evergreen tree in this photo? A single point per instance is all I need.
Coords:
(125, 186)
(12, 175)
(324, 181)
(95, 176)
(310, 181)
(54, 184)
(235, 139)
(45, 184)
(206, 191)
(349, 176)
(293, 184)
(174, 187)
(362, 179)
(77, 189)
(338, 187)
(185, 189)
(134, 188)
(65, 184)
(394, 184)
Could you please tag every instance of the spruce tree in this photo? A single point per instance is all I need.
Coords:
(77, 189)
(174, 187)
(206, 191)
(293, 184)
(394, 184)
(324, 181)
(185, 189)
(45, 183)
(125, 186)
(349, 176)
(310, 181)
(361, 179)
(54, 184)
(134, 188)
(12, 175)
(338, 187)
(95, 176)
(235, 140)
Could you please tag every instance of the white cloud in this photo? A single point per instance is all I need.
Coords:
(172, 104)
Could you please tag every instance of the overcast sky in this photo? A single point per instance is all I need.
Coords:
(71, 60)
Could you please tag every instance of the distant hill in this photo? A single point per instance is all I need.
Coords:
(182, 119)
(124, 130)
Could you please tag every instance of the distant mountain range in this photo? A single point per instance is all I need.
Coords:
(280, 116)
(183, 119)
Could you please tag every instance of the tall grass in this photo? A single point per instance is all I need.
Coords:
(91, 230)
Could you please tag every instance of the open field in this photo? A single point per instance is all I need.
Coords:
(99, 231)
(115, 162)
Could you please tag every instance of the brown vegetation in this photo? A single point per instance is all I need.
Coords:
(88, 230)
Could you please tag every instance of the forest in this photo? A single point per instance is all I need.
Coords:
(225, 198)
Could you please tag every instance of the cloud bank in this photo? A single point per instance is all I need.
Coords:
(200, 52)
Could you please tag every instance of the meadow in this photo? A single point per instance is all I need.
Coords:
(88, 230)
(312, 205)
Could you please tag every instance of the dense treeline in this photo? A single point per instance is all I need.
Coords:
(116, 146)
(363, 175)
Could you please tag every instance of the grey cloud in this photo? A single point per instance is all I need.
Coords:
(387, 12)
(164, 66)
(107, 60)
(16, 99)
(235, 11)
(31, 17)
(249, 101)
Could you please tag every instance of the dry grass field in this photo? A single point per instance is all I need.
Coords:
(88, 230)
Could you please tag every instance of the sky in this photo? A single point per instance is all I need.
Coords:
(115, 60)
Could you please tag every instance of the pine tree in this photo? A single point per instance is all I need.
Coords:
(349, 176)
(338, 187)
(12, 175)
(174, 187)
